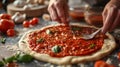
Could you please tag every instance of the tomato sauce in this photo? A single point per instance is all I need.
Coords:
(70, 41)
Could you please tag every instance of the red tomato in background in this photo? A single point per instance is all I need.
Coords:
(34, 21)
(10, 32)
(101, 63)
(5, 16)
(26, 24)
(6, 24)
(119, 56)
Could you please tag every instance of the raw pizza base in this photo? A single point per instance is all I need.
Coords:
(108, 46)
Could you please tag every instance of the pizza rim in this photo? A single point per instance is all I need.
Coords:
(108, 48)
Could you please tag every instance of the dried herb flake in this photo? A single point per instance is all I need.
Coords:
(92, 45)
(40, 40)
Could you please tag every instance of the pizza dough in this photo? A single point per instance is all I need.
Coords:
(108, 46)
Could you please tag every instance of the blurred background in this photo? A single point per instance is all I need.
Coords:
(79, 10)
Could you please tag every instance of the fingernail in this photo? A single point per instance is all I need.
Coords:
(102, 31)
(68, 20)
(63, 20)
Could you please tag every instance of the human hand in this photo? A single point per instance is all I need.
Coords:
(111, 16)
(58, 10)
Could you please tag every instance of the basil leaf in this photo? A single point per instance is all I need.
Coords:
(25, 58)
(92, 45)
(49, 31)
(1, 64)
(56, 49)
(40, 40)
(10, 59)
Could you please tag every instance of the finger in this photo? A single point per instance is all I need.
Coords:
(60, 11)
(104, 14)
(53, 14)
(109, 19)
(66, 14)
(116, 22)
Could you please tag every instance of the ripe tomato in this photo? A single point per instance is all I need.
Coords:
(100, 63)
(12, 64)
(10, 32)
(6, 24)
(118, 55)
(26, 24)
(5, 16)
(111, 66)
(34, 21)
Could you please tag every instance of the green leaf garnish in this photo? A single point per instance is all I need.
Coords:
(2, 40)
(56, 49)
(92, 45)
(49, 31)
(10, 59)
(25, 58)
(1, 64)
(40, 40)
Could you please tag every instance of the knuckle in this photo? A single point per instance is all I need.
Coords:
(114, 7)
(50, 7)
(56, 4)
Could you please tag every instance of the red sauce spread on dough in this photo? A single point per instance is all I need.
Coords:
(69, 41)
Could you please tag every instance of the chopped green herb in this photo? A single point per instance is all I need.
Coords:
(75, 28)
(2, 40)
(56, 49)
(92, 45)
(40, 40)
(49, 31)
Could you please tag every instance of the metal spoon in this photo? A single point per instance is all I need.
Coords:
(90, 36)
